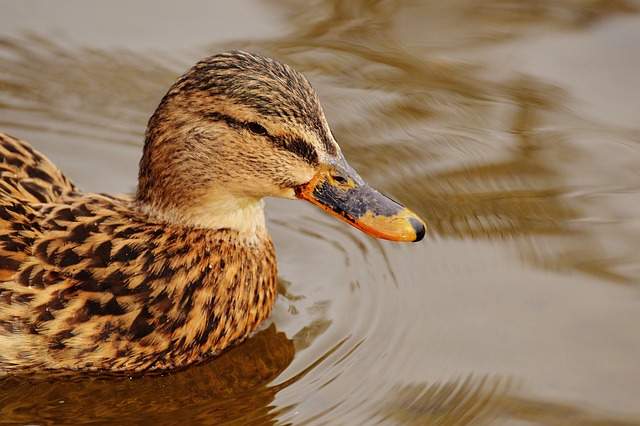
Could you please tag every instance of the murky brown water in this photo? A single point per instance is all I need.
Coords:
(512, 126)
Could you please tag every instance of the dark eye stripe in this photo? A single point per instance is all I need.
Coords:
(296, 146)
(299, 147)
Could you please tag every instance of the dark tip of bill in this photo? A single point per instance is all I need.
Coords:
(418, 227)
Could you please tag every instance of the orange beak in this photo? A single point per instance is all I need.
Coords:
(338, 189)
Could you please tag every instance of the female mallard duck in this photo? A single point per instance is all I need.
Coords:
(185, 268)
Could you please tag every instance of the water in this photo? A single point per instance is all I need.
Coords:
(510, 126)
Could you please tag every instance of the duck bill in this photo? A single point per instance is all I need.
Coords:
(338, 189)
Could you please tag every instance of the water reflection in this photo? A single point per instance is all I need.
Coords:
(50, 87)
(481, 400)
(233, 389)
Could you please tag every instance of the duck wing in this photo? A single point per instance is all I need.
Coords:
(27, 179)
(27, 176)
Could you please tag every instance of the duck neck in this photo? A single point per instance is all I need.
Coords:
(242, 214)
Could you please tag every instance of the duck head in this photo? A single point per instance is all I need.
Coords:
(238, 127)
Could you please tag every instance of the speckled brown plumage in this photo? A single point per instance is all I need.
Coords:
(185, 268)
(90, 283)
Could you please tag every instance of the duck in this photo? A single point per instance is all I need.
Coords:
(183, 268)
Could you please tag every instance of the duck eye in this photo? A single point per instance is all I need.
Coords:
(256, 128)
(340, 179)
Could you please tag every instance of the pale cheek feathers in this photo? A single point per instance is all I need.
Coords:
(282, 174)
(274, 175)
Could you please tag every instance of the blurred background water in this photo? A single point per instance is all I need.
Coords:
(512, 127)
